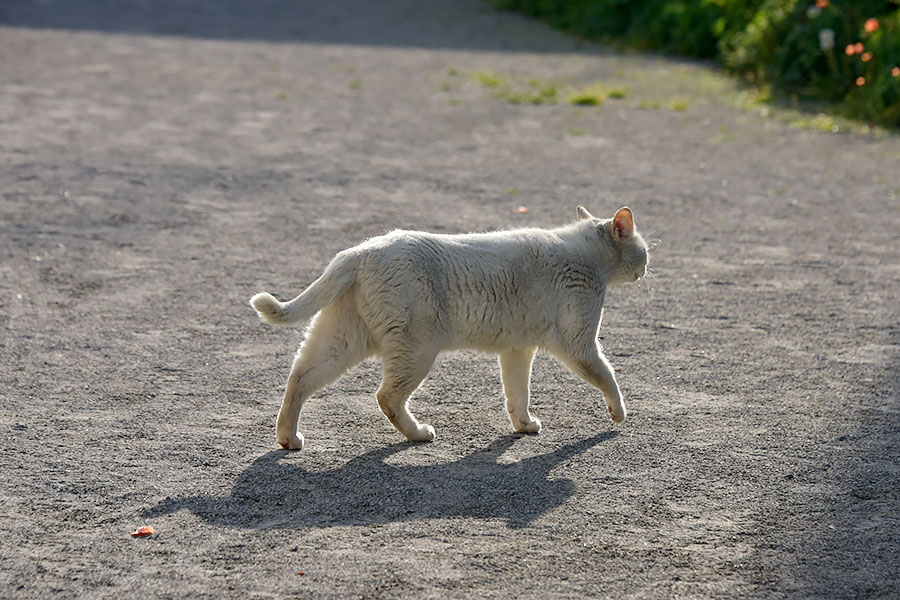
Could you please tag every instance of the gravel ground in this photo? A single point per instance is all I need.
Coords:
(161, 162)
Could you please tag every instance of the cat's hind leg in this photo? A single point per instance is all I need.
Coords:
(335, 342)
(403, 371)
(515, 370)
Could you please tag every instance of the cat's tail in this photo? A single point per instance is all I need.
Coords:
(338, 277)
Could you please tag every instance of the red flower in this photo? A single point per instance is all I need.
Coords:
(866, 56)
(858, 48)
(821, 3)
(871, 25)
(895, 72)
(860, 81)
(850, 50)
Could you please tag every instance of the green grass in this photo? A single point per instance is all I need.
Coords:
(592, 95)
(819, 122)
(515, 91)
(534, 90)
(596, 94)
(488, 79)
(678, 104)
(586, 99)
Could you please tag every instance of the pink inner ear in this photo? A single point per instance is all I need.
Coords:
(623, 224)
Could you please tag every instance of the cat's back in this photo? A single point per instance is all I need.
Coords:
(503, 247)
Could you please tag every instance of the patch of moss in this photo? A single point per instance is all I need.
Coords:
(592, 95)
(547, 92)
(488, 79)
(585, 99)
(819, 122)
(753, 100)
(534, 91)
(678, 104)
(596, 94)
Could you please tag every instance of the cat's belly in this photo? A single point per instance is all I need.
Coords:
(500, 333)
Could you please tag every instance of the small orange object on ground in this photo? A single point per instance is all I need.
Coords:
(143, 531)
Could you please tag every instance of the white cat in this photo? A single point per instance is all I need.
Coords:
(406, 296)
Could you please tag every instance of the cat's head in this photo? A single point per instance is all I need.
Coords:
(630, 252)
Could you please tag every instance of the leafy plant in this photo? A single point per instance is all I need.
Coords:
(843, 51)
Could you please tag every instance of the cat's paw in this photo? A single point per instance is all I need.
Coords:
(530, 426)
(617, 413)
(291, 442)
(424, 433)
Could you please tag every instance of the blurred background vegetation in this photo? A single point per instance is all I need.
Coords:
(844, 52)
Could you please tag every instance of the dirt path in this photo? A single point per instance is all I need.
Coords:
(159, 166)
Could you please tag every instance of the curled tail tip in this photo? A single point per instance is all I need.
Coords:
(267, 307)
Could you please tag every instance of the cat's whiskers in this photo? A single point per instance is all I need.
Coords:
(649, 280)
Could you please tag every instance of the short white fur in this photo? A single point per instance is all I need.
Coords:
(407, 296)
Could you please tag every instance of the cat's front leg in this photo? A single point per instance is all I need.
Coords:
(515, 370)
(615, 406)
(587, 361)
(598, 372)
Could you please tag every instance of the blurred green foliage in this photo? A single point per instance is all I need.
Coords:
(844, 51)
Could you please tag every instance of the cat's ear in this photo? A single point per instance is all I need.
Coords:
(623, 223)
(582, 213)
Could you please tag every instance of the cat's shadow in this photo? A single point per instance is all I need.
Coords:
(273, 492)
